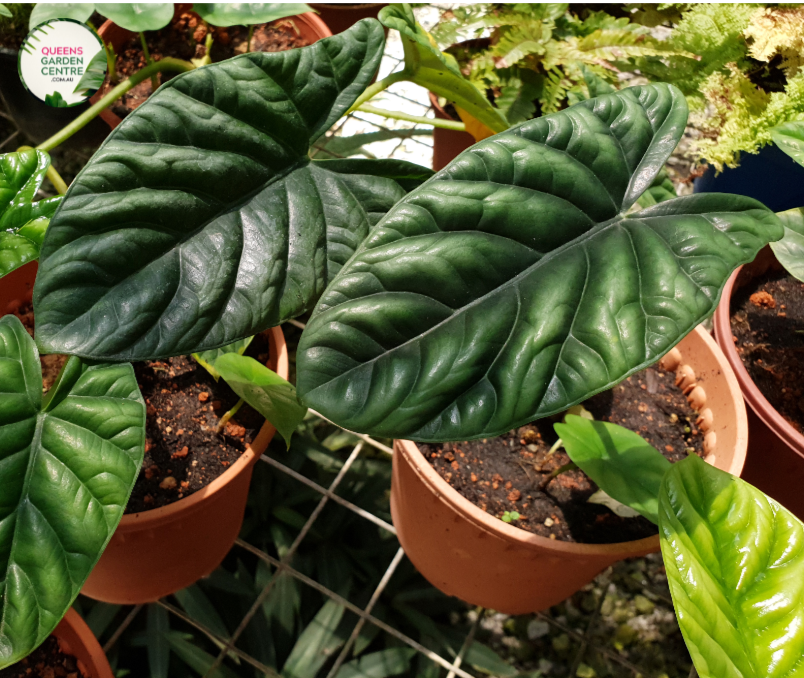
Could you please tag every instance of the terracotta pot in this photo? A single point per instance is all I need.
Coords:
(76, 638)
(155, 553)
(448, 144)
(775, 462)
(467, 553)
(17, 286)
(309, 24)
(339, 17)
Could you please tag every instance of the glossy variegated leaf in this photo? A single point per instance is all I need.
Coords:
(429, 67)
(207, 358)
(735, 565)
(513, 284)
(68, 462)
(790, 249)
(22, 221)
(202, 220)
(246, 13)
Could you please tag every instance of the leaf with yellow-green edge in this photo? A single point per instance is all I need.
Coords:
(438, 72)
(735, 565)
(207, 358)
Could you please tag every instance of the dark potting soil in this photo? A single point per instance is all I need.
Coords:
(46, 661)
(767, 324)
(51, 364)
(504, 474)
(183, 451)
(184, 38)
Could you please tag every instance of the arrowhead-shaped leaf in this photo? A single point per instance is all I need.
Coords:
(68, 463)
(512, 284)
(247, 13)
(22, 221)
(201, 220)
(429, 67)
(137, 16)
(735, 564)
(621, 462)
(790, 249)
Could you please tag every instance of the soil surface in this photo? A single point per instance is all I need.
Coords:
(185, 38)
(767, 324)
(183, 451)
(46, 661)
(51, 364)
(510, 473)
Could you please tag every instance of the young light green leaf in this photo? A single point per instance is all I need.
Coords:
(268, 393)
(94, 74)
(789, 137)
(67, 467)
(427, 66)
(242, 201)
(514, 283)
(790, 249)
(137, 16)
(23, 222)
(157, 632)
(380, 664)
(207, 358)
(247, 13)
(735, 565)
(5, 11)
(47, 11)
(621, 462)
(316, 643)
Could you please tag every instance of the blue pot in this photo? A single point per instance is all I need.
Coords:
(771, 176)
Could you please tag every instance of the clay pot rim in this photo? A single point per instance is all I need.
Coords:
(75, 622)
(442, 489)
(755, 398)
(158, 516)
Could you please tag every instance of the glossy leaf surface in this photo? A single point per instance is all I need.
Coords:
(431, 68)
(201, 220)
(735, 564)
(789, 137)
(47, 11)
(68, 463)
(268, 393)
(790, 249)
(623, 464)
(137, 16)
(513, 285)
(207, 358)
(247, 13)
(22, 221)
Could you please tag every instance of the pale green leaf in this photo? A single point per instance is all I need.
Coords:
(137, 16)
(790, 249)
(207, 358)
(47, 11)
(247, 13)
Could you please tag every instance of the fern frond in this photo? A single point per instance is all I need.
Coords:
(778, 31)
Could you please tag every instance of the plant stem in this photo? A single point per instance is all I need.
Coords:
(250, 34)
(166, 64)
(420, 120)
(148, 61)
(226, 417)
(561, 469)
(379, 86)
(55, 178)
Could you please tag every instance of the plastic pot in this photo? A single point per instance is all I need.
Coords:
(339, 17)
(34, 117)
(770, 176)
(775, 462)
(155, 553)
(309, 24)
(467, 553)
(76, 638)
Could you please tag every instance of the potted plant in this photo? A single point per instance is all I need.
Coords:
(764, 361)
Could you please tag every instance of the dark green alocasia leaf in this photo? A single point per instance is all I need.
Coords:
(660, 190)
(621, 462)
(429, 67)
(735, 565)
(789, 137)
(94, 74)
(137, 16)
(790, 249)
(207, 358)
(513, 285)
(247, 13)
(22, 221)
(47, 11)
(268, 393)
(201, 220)
(68, 463)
